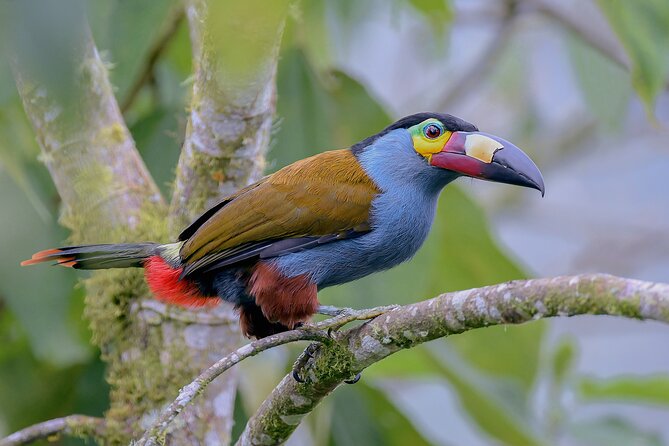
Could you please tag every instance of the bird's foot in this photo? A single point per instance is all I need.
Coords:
(339, 318)
(302, 360)
(301, 365)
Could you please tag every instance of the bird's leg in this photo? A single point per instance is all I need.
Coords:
(302, 360)
(339, 318)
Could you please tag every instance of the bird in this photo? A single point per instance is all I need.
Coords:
(325, 220)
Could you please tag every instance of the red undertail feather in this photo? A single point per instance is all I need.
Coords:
(50, 255)
(287, 300)
(165, 285)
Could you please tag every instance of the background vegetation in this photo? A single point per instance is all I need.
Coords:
(591, 109)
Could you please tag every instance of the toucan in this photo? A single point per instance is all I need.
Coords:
(322, 221)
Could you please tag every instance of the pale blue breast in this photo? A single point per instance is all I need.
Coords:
(401, 217)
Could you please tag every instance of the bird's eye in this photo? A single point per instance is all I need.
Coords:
(432, 131)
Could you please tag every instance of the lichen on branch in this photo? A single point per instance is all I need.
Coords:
(101, 178)
(233, 102)
(451, 313)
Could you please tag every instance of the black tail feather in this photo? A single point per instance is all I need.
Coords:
(122, 255)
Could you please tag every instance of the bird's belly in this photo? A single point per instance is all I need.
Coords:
(403, 231)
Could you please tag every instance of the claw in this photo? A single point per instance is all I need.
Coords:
(297, 377)
(302, 360)
(355, 379)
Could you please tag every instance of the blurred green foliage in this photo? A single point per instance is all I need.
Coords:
(642, 28)
(47, 367)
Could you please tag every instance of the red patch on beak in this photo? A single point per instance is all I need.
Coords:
(458, 162)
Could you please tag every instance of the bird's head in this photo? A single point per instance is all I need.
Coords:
(449, 143)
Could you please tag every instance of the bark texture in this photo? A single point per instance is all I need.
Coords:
(451, 313)
(231, 110)
(109, 196)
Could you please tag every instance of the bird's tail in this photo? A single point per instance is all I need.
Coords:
(122, 255)
(161, 263)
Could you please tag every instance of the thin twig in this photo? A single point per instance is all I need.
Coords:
(155, 52)
(317, 331)
(189, 392)
(593, 30)
(80, 426)
(405, 327)
(484, 63)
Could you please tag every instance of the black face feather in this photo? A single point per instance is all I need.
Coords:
(451, 123)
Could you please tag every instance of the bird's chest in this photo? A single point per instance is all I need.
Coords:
(400, 224)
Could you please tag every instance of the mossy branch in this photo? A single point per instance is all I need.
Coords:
(516, 302)
(100, 176)
(343, 354)
(232, 106)
(187, 394)
(79, 426)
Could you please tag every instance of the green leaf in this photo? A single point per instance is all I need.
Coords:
(611, 431)
(32, 390)
(363, 415)
(497, 406)
(415, 362)
(240, 418)
(438, 13)
(563, 360)
(45, 41)
(127, 31)
(604, 85)
(312, 34)
(38, 296)
(318, 113)
(504, 352)
(178, 53)
(653, 389)
(158, 136)
(643, 29)
(17, 151)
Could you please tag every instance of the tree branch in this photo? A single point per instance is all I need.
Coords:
(319, 331)
(232, 105)
(592, 27)
(146, 74)
(80, 426)
(485, 62)
(88, 149)
(109, 196)
(188, 393)
(451, 313)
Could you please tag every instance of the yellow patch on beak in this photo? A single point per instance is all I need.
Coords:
(481, 147)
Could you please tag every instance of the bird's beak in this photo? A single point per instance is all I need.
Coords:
(487, 157)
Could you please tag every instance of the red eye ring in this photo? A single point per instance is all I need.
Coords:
(432, 131)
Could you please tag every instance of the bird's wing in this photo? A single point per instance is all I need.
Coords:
(313, 201)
